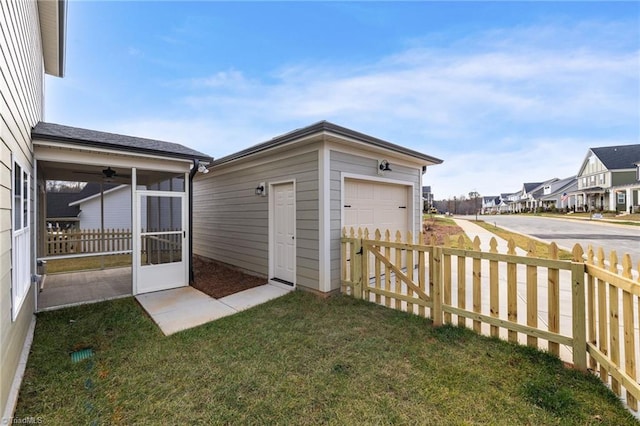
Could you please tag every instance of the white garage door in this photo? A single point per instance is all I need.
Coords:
(376, 205)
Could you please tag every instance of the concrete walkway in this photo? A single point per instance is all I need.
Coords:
(185, 307)
(472, 230)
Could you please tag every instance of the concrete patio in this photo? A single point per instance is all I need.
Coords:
(74, 288)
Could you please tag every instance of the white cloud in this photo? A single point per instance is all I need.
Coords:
(491, 172)
(210, 136)
(442, 89)
(501, 108)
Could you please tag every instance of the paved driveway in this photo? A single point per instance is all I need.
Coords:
(621, 238)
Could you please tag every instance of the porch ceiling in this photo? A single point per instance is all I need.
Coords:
(62, 162)
(77, 172)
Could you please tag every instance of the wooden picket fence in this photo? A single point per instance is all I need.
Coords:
(571, 308)
(79, 241)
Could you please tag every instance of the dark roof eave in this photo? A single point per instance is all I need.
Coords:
(319, 128)
(117, 147)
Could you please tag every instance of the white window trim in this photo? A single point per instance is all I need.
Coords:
(17, 299)
(621, 197)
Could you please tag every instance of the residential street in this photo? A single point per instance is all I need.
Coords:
(621, 238)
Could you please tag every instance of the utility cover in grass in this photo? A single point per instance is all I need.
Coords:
(78, 356)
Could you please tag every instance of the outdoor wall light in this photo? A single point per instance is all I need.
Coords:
(383, 166)
(202, 168)
(260, 190)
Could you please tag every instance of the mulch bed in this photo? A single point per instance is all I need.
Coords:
(218, 280)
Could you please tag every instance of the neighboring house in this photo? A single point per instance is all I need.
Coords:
(557, 194)
(277, 209)
(505, 202)
(608, 179)
(427, 198)
(531, 194)
(491, 204)
(113, 202)
(32, 43)
(522, 200)
(62, 211)
(59, 213)
(117, 207)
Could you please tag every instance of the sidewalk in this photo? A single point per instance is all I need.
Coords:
(472, 230)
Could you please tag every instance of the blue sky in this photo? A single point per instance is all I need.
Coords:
(503, 92)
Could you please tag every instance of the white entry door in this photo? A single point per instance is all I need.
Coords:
(284, 226)
(162, 241)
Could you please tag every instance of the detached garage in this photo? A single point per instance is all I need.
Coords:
(277, 209)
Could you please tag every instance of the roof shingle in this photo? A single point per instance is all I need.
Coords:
(86, 137)
(618, 157)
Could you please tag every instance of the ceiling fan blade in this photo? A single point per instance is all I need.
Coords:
(86, 173)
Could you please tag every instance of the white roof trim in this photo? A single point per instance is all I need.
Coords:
(52, 15)
(90, 197)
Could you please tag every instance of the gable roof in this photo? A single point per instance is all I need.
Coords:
(562, 187)
(66, 204)
(85, 137)
(618, 157)
(489, 198)
(58, 205)
(319, 128)
(92, 190)
(530, 186)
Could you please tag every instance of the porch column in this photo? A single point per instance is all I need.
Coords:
(628, 199)
(613, 200)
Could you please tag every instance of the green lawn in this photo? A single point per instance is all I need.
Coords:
(88, 263)
(297, 360)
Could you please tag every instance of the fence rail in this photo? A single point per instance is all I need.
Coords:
(577, 309)
(80, 241)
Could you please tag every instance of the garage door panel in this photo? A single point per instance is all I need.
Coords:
(375, 205)
(366, 192)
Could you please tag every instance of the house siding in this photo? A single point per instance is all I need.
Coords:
(343, 162)
(21, 100)
(623, 178)
(117, 211)
(231, 223)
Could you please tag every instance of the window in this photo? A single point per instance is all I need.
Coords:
(621, 197)
(21, 249)
(601, 179)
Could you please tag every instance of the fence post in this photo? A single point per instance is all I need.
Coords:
(629, 332)
(356, 265)
(436, 287)
(578, 310)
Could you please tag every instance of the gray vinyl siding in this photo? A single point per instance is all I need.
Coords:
(231, 223)
(117, 211)
(21, 79)
(342, 162)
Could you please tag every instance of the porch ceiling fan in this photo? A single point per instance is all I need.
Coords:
(107, 174)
